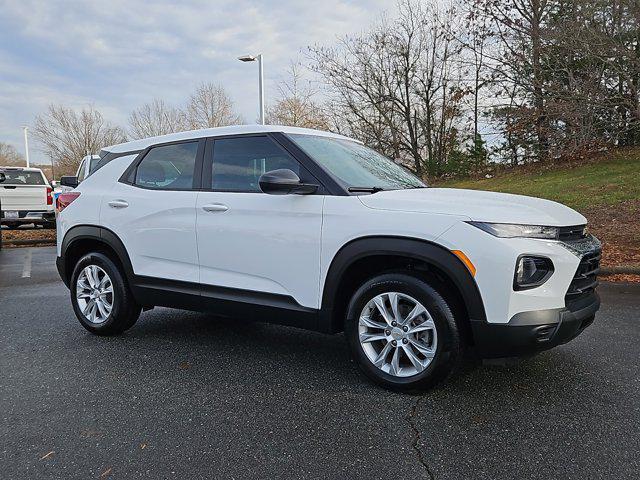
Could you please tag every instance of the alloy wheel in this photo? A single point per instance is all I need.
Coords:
(94, 293)
(397, 334)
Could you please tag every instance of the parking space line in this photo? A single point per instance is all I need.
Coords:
(26, 269)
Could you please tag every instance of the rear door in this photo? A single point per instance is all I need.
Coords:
(152, 211)
(248, 240)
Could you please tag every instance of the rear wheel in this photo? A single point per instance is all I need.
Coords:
(402, 332)
(100, 296)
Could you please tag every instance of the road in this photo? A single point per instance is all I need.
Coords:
(186, 395)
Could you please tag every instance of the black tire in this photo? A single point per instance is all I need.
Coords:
(449, 345)
(125, 310)
(49, 225)
(12, 226)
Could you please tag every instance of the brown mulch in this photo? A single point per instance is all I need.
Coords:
(618, 227)
(620, 278)
(24, 233)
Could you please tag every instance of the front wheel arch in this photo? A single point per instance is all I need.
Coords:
(358, 260)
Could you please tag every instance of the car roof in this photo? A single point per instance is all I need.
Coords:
(138, 145)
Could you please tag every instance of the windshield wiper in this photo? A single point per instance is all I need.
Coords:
(366, 189)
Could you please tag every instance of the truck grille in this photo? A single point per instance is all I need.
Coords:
(568, 234)
(586, 279)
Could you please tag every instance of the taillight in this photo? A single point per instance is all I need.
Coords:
(49, 196)
(65, 199)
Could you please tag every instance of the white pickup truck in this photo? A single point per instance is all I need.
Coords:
(26, 197)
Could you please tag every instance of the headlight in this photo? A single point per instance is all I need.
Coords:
(505, 230)
(531, 272)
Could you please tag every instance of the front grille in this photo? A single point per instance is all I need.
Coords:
(568, 234)
(586, 278)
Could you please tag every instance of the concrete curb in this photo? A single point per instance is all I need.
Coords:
(624, 270)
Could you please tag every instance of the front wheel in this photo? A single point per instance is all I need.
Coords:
(402, 332)
(100, 296)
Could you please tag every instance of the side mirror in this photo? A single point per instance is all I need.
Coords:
(2, 177)
(284, 182)
(69, 181)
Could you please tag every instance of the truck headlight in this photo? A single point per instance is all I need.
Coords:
(505, 230)
(531, 272)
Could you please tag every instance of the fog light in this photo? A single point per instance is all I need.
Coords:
(531, 272)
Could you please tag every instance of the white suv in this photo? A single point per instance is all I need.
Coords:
(315, 230)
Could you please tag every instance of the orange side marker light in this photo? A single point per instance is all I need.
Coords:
(464, 259)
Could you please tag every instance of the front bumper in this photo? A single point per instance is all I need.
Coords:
(532, 332)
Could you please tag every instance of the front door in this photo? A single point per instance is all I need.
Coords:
(248, 240)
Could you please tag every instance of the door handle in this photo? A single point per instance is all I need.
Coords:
(215, 207)
(118, 204)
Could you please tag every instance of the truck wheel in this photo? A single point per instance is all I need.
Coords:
(402, 332)
(12, 226)
(100, 295)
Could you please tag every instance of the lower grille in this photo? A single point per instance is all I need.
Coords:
(586, 279)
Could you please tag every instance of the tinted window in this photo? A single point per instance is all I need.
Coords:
(355, 164)
(239, 162)
(168, 167)
(17, 177)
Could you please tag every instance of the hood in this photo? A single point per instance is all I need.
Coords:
(476, 205)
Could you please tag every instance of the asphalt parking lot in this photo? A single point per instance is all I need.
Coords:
(186, 395)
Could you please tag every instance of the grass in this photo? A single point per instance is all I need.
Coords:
(606, 181)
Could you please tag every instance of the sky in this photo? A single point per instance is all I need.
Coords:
(119, 54)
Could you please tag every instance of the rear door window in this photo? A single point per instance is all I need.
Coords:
(168, 167)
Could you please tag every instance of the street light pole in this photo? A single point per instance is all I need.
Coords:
(26, 145)
(260, 59)
(261, 86)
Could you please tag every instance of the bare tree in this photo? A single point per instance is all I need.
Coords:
(396, 86)
(295, 105)
(10, 157)
(599, 48)
(210, 106)
(156, 118)
(519, 27)
(67, 135)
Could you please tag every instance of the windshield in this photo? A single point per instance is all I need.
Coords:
(19, 177)
(355, 165)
